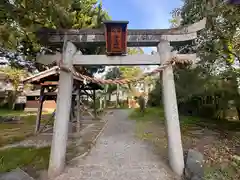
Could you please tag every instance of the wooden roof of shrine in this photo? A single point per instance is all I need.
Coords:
(50, 77)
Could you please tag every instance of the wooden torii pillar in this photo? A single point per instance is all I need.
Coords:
(94, 104)
(39, 113)
(78, 111)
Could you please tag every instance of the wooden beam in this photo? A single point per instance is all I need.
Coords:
(142, 59)
(139, 59)
(94, 104)
(140, 39)
(78, 111)
(177, 38)
(48, 122)
(48, 59)
(85, 109)
(116, 60)
(42, 74)
(47, 83)
(136, 37)
(50, 93)
(90, 95)
(172, 31)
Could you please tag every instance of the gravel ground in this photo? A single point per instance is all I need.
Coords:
(119, 155)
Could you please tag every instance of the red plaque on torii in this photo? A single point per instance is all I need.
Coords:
(116, 37)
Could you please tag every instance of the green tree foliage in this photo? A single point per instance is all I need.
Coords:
(135, 50)
(155, 96)
(141, 102)
(219, 41)
(223, 22)
(130, 72)
(113, 73)
(124, 72)
(210, 89)
(21, 19)
(15, 77)
(199, 93)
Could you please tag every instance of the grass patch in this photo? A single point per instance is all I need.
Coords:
(216, 173)
(217, 140)
(18, 131)
(7, 112)
(25, 158)
(149, 114)
(157, 114)
(24, 121)
(12, 139)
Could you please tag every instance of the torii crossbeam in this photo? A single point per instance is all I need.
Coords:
(135, 37)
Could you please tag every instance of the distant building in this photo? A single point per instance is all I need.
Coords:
(3, 62)
(122, 96)
(6, 85)
(235, 2)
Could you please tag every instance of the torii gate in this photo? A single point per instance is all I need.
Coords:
(73, 39)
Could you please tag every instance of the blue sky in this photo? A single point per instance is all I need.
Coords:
(142, 14)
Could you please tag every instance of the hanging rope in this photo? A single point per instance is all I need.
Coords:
(85, 78)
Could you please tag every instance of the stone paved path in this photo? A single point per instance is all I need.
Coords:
(118, 155)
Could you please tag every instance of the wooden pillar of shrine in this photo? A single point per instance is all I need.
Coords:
(94, 104)
(78, 110)
(39, 113)
(105, 96)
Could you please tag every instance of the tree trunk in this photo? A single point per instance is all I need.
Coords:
(11, 99)
(105, 96)
(117, 96)
(238, 112)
